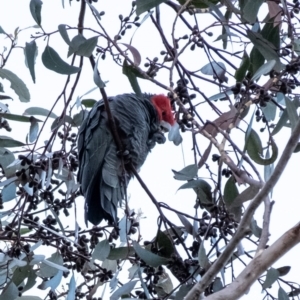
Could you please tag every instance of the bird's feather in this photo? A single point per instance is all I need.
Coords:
(102, 178)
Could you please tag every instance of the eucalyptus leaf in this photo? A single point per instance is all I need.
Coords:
(16, 84)
(291, 112)
(88, 103)
(87, 47)
(272, 276)
(64, 33)
(30, 55)
(250, 10)
(187, 173)
(35, 9)
(52, 61)
(97, 79)
(9, 192)
(282, 295)
(145, 5)
(130, 72)
(148, 257)
(264, 69)
(53, 283)
(6, 141)
(101, 250)
(33, 130)
(40, 112)
(72, 289)
(123, 290)
(230, 191)
(202, 257)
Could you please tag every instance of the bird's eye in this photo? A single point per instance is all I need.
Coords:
(163, 113)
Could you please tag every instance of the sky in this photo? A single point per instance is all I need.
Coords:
(156, 172)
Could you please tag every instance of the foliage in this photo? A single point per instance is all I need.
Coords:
(252, 67)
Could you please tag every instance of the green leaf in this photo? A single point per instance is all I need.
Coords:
(266, 48)
(97, 78)
(230, 191)
(291, 112)
(17, 118)
(87, 47)
(264, 69)
(52, 283)
(101, 250)
(35, 9)
(130, 72)
(282, 295)
(256, 60)
(271, 32)
(269, 111)
(145, 5)
(217, 286)
(123, 290)
(20, 274)
(88, 103)
(186, 223)
(47, 270)
(10, 292)
(6, 141)
(202, 257)
(148, 257)
(187, 173)
(215, 69)
(33, 130)
(254, 148)
(6, 158)
(64, 34)
(2, 30)
(256, 230)
(246, 195)
(120, 253)
(281, 122)
(191, 184)
(250, 10)
(221, 96)
(52, 61)
(78, 118)
(60, 121)
(284, 270)
(183, 291)
(200, 3)
(77, 40)
(272, 276)
(39, 111)
(72, 289)
(203, 191)
(9, 192)
(16, 84)
(164, 244)
(244, 66)
(30, 55)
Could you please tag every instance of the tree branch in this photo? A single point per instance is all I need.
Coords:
(243, 227)
(259, 265)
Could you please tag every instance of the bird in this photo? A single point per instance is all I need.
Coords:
(102, 177)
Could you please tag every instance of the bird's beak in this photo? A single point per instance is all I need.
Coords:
(174, 133)
(166, 127)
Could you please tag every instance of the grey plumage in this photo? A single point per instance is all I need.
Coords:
(100, 170)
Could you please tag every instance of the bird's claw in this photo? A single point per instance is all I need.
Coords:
(123, 153)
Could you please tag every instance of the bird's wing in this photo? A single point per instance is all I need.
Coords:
(99, 167)
(134, 116)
